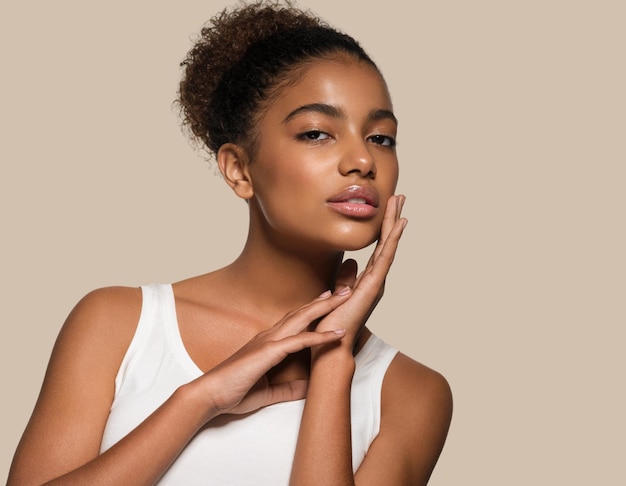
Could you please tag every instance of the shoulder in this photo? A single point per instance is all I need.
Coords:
(110, 308)
(108, 301)
(66, 425)
(412, 381)
(416, 411)
(91, 346)
(103, 321)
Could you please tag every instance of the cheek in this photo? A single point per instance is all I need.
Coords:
(286, 191)
(390, 177)
(286, 173)
(394, 177)
(280, 183)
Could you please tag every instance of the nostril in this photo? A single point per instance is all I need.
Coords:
(371, 174)
(357, 159)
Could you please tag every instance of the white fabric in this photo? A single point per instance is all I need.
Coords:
(255, 449)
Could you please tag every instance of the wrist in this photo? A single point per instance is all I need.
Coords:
(337, 358)
(198, 402)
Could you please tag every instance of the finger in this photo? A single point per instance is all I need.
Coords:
(272, 353)
(307, 339)
(297, 321)
(285, 392)
(264, 394)
(247, 366)
(393, 211)
(388, 247)
(346, 276)
(379, 266)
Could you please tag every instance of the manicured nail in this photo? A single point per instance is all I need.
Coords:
(325, 294)
(343, 291)
(400, 203)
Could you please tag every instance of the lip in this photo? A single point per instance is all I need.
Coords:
(342, 203)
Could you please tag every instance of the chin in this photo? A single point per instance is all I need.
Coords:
(357, 247)
(353, 243)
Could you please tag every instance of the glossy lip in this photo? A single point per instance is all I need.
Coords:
(340, 202)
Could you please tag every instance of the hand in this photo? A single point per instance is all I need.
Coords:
(368, 287)
(239, 385)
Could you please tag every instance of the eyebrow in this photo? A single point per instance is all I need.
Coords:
(323, 108)
(376, 115)
(336, 112)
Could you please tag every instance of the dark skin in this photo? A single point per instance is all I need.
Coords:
(288, 337)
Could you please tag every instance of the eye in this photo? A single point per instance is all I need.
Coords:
(314, 135)
(384, 140)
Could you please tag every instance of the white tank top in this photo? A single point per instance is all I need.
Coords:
(255, 449)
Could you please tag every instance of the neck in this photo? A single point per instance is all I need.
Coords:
(275, 274)
(283, 279)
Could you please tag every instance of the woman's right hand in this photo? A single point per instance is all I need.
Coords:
(239, 384)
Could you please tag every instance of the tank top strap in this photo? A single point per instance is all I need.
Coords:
(372, 362)
(156, 336)
(169, 320)
(149, 301)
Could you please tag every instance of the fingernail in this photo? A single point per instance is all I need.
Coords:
(325, 294)
(339, 331)
(343, 291)
(401, 200)
(404, 223)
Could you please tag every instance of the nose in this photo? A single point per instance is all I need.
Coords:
(358, 159)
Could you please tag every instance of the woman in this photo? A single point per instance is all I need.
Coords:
(204, 381)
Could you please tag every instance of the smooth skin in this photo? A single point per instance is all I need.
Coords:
(289, 338)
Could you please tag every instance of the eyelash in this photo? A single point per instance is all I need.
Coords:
(313, 136)
(384, 140)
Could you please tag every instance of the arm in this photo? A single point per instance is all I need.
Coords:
(323, 454)
(324, 449)
(61, 442)
(63, 436)
(416, 411)
(415, 417)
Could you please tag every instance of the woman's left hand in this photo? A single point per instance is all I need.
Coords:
(368, 287)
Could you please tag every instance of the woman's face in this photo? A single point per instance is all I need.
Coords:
(325, 163)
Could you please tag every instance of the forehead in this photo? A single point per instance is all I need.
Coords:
(353, 85)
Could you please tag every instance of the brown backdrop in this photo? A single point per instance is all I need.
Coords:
(511, 275)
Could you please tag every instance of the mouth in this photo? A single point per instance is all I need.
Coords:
(356, 201)
(357, 195)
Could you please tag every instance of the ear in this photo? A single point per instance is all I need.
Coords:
(232, 161)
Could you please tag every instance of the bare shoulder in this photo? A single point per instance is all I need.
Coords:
(407, 379)
(108, 302)
(66, 426)
(416, 410)
(105, 319)
(113, 308)
(94, 339)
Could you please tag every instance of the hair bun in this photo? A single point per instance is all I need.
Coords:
(222, 88)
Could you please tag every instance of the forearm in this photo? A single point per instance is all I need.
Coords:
(145, 453)
(324, 450)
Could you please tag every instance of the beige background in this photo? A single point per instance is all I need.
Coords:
(511, 276)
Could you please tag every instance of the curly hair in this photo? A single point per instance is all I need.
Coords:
(240, 59)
